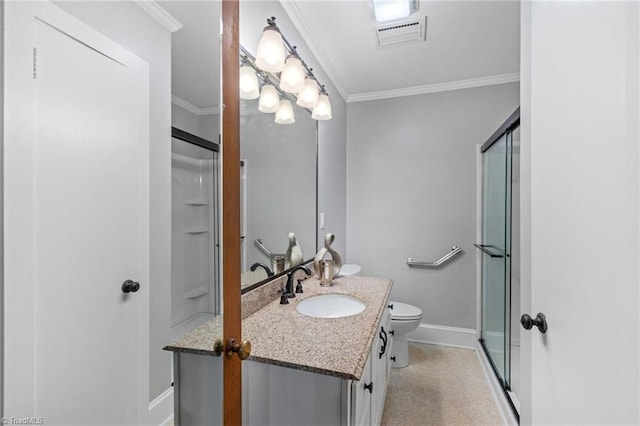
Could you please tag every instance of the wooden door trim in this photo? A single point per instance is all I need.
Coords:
(231, 255)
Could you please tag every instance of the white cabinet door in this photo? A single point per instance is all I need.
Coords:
(85, 103)
(380, 365)
(361, 396)
(580, 183)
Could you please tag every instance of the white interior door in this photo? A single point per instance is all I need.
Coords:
(89, 209)
(580, 212)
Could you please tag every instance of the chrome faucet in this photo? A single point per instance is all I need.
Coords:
(288, 293)
(261, 265)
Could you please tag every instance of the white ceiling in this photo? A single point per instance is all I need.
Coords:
(466, 40)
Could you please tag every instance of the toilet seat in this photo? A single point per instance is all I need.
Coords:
(405, 312)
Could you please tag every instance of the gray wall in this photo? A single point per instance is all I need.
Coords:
(206, 126)
(129, 25)
(185, 120)
(331, 134)
(411, 187)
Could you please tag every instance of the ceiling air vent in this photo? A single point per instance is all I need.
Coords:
(398, 32)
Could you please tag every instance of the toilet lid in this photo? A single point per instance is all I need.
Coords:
(403, 311)
(349, 269)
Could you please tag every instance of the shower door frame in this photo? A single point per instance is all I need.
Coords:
(215, 148)
(506, 129)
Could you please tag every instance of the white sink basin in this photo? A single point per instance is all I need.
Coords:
(330, 306)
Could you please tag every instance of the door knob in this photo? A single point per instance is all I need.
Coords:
(130, 286)
(539, 321)
(243, 349)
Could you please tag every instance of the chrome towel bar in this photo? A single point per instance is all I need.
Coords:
(444, 259)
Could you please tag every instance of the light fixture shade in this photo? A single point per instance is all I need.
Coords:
(322, 111)
(249, 86)
(269, 99)
(292, 78)
(388, 10)
(308, 96)
(270, 55)
(284, 115)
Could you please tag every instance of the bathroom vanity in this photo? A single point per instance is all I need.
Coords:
(302, 369)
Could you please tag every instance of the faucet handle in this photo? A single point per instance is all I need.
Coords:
(299, 286)
(284, 298)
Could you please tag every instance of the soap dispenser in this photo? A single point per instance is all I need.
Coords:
(294, 254)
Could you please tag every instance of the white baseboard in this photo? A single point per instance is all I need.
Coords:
(504, 408)
(443, 335)
(161, 408)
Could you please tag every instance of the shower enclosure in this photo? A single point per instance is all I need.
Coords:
(195, 294)
(499, 250)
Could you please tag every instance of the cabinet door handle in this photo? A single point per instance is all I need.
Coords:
(392, 358)
(390, 306)
(369, 387)
(392, 332)
(383, 336)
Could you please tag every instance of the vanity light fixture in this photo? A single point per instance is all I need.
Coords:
(322, 111)
(308, 96)
(270, 56)
(296, 77)
(284, 115)
(249, 86)
(388, 10)
(269, 99)
(292, 78)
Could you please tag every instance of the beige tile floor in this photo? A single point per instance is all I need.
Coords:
(441, 386)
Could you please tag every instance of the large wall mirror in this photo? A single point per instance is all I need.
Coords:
(194, 296)
(279, 170)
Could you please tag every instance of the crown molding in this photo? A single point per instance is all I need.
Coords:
(296, 16)
(186, 105)
(160, 15)
(491, 80)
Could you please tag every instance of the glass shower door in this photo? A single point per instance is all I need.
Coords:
(495, 248)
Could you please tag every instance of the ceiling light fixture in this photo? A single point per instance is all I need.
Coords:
(388, 10)
(295, 78)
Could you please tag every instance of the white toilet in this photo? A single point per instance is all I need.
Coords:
(404, 319)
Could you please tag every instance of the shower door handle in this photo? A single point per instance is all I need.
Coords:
(540, 321)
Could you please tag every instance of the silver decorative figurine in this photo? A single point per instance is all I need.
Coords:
(318, 260)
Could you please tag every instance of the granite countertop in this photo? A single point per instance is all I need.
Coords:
(280, 335)
(199, 340)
